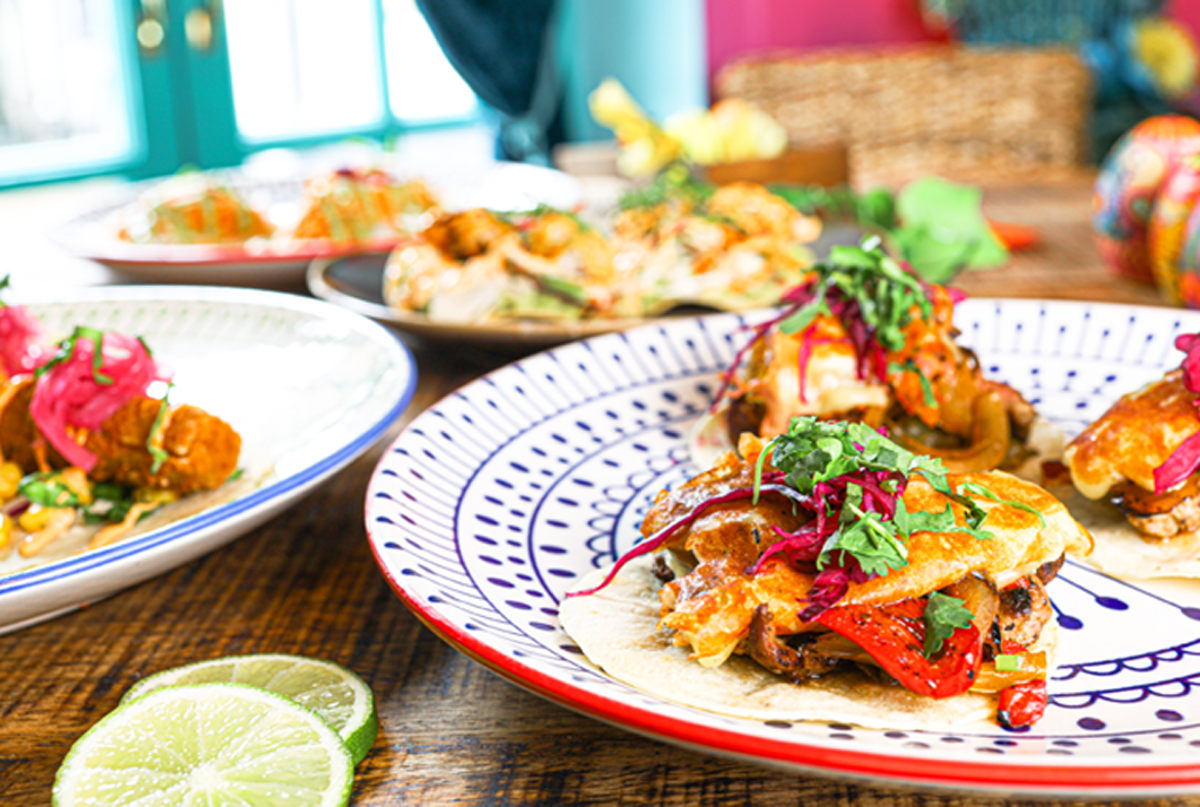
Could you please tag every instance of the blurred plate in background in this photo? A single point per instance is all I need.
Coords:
(91, 231)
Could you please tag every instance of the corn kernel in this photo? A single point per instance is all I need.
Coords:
(10, 480)
(155, 496)
(36, 518)
(6, 529)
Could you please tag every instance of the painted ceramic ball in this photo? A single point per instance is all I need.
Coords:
(1126, 187)
(1164, 235)
(1188, 261)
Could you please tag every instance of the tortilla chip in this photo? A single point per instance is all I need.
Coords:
(615, 628)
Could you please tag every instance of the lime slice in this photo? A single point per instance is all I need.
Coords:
(207, 744)
(333, 692)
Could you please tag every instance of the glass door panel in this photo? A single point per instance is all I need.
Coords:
(423, 87)
(66, 88)
(303, 68)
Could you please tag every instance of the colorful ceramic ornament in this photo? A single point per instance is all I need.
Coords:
(1172, 206)
(1127, 185)
(1188, 261)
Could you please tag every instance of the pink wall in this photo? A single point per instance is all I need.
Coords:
(739, 27)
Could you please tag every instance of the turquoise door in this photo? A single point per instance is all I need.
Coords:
(144, 87)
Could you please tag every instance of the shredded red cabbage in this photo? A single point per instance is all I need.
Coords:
(69, 393)
(830, 585)
(1185, 459)
(872, 361)
(22, 341)
(760, 331)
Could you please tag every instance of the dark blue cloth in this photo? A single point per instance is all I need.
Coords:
(495, 45)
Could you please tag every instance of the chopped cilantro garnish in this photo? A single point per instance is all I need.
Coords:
(1007, 663)
(910, 366)
(864, 283)
(48, 489)
(854, 480)
(160, 456)
(943, 615)
(674, 183)
(979, 490)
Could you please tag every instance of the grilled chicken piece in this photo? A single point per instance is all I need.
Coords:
(798, 664)
(202, 450)
(1024, 611)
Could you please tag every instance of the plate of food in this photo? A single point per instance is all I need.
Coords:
(232, 228)
(143, 427)
(547, 275)
(827, 599)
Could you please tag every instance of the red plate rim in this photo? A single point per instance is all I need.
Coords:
(1089, 779)
(210, 254)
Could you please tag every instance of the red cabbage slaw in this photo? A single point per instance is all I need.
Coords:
(1185, 459)
(801, 549)
(872, 361)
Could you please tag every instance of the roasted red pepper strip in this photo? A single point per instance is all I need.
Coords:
(894, 635)
(1022, 704)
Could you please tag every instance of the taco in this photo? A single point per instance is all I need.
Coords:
(864, 340)
(833, 575)
(1134, 472)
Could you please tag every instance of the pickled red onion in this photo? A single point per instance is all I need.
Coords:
(69, 394)
(22, 341)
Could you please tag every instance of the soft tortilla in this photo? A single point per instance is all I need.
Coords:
(615, 628)
(1120, 549)
(708, 440)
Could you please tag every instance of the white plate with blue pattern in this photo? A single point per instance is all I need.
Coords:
(307, 385)
(494, 502)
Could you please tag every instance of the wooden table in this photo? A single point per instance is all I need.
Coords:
(451, 731)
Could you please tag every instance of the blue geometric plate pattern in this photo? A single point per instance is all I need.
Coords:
(495, 501)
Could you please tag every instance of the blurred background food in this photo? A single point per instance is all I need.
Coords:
(380, 116)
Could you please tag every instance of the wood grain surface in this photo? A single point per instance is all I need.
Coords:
(451, 731)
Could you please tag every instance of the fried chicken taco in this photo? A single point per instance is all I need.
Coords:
(864, 340)
(831, 574)
(1136, 471)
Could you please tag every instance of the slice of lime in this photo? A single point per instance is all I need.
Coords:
(207, 744)
(331, 691)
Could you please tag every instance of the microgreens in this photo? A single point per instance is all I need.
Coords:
(866, 279)
(674, 183)
(943, 615)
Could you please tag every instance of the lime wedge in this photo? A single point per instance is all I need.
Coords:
(207, 744)
(331, 691)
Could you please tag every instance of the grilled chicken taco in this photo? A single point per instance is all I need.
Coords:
(864, 340)
(833, 575)
(1135, 469)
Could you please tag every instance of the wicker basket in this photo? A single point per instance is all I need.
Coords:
(975, 114)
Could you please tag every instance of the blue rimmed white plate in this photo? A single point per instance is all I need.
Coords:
(496, 500)
(307, 385)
